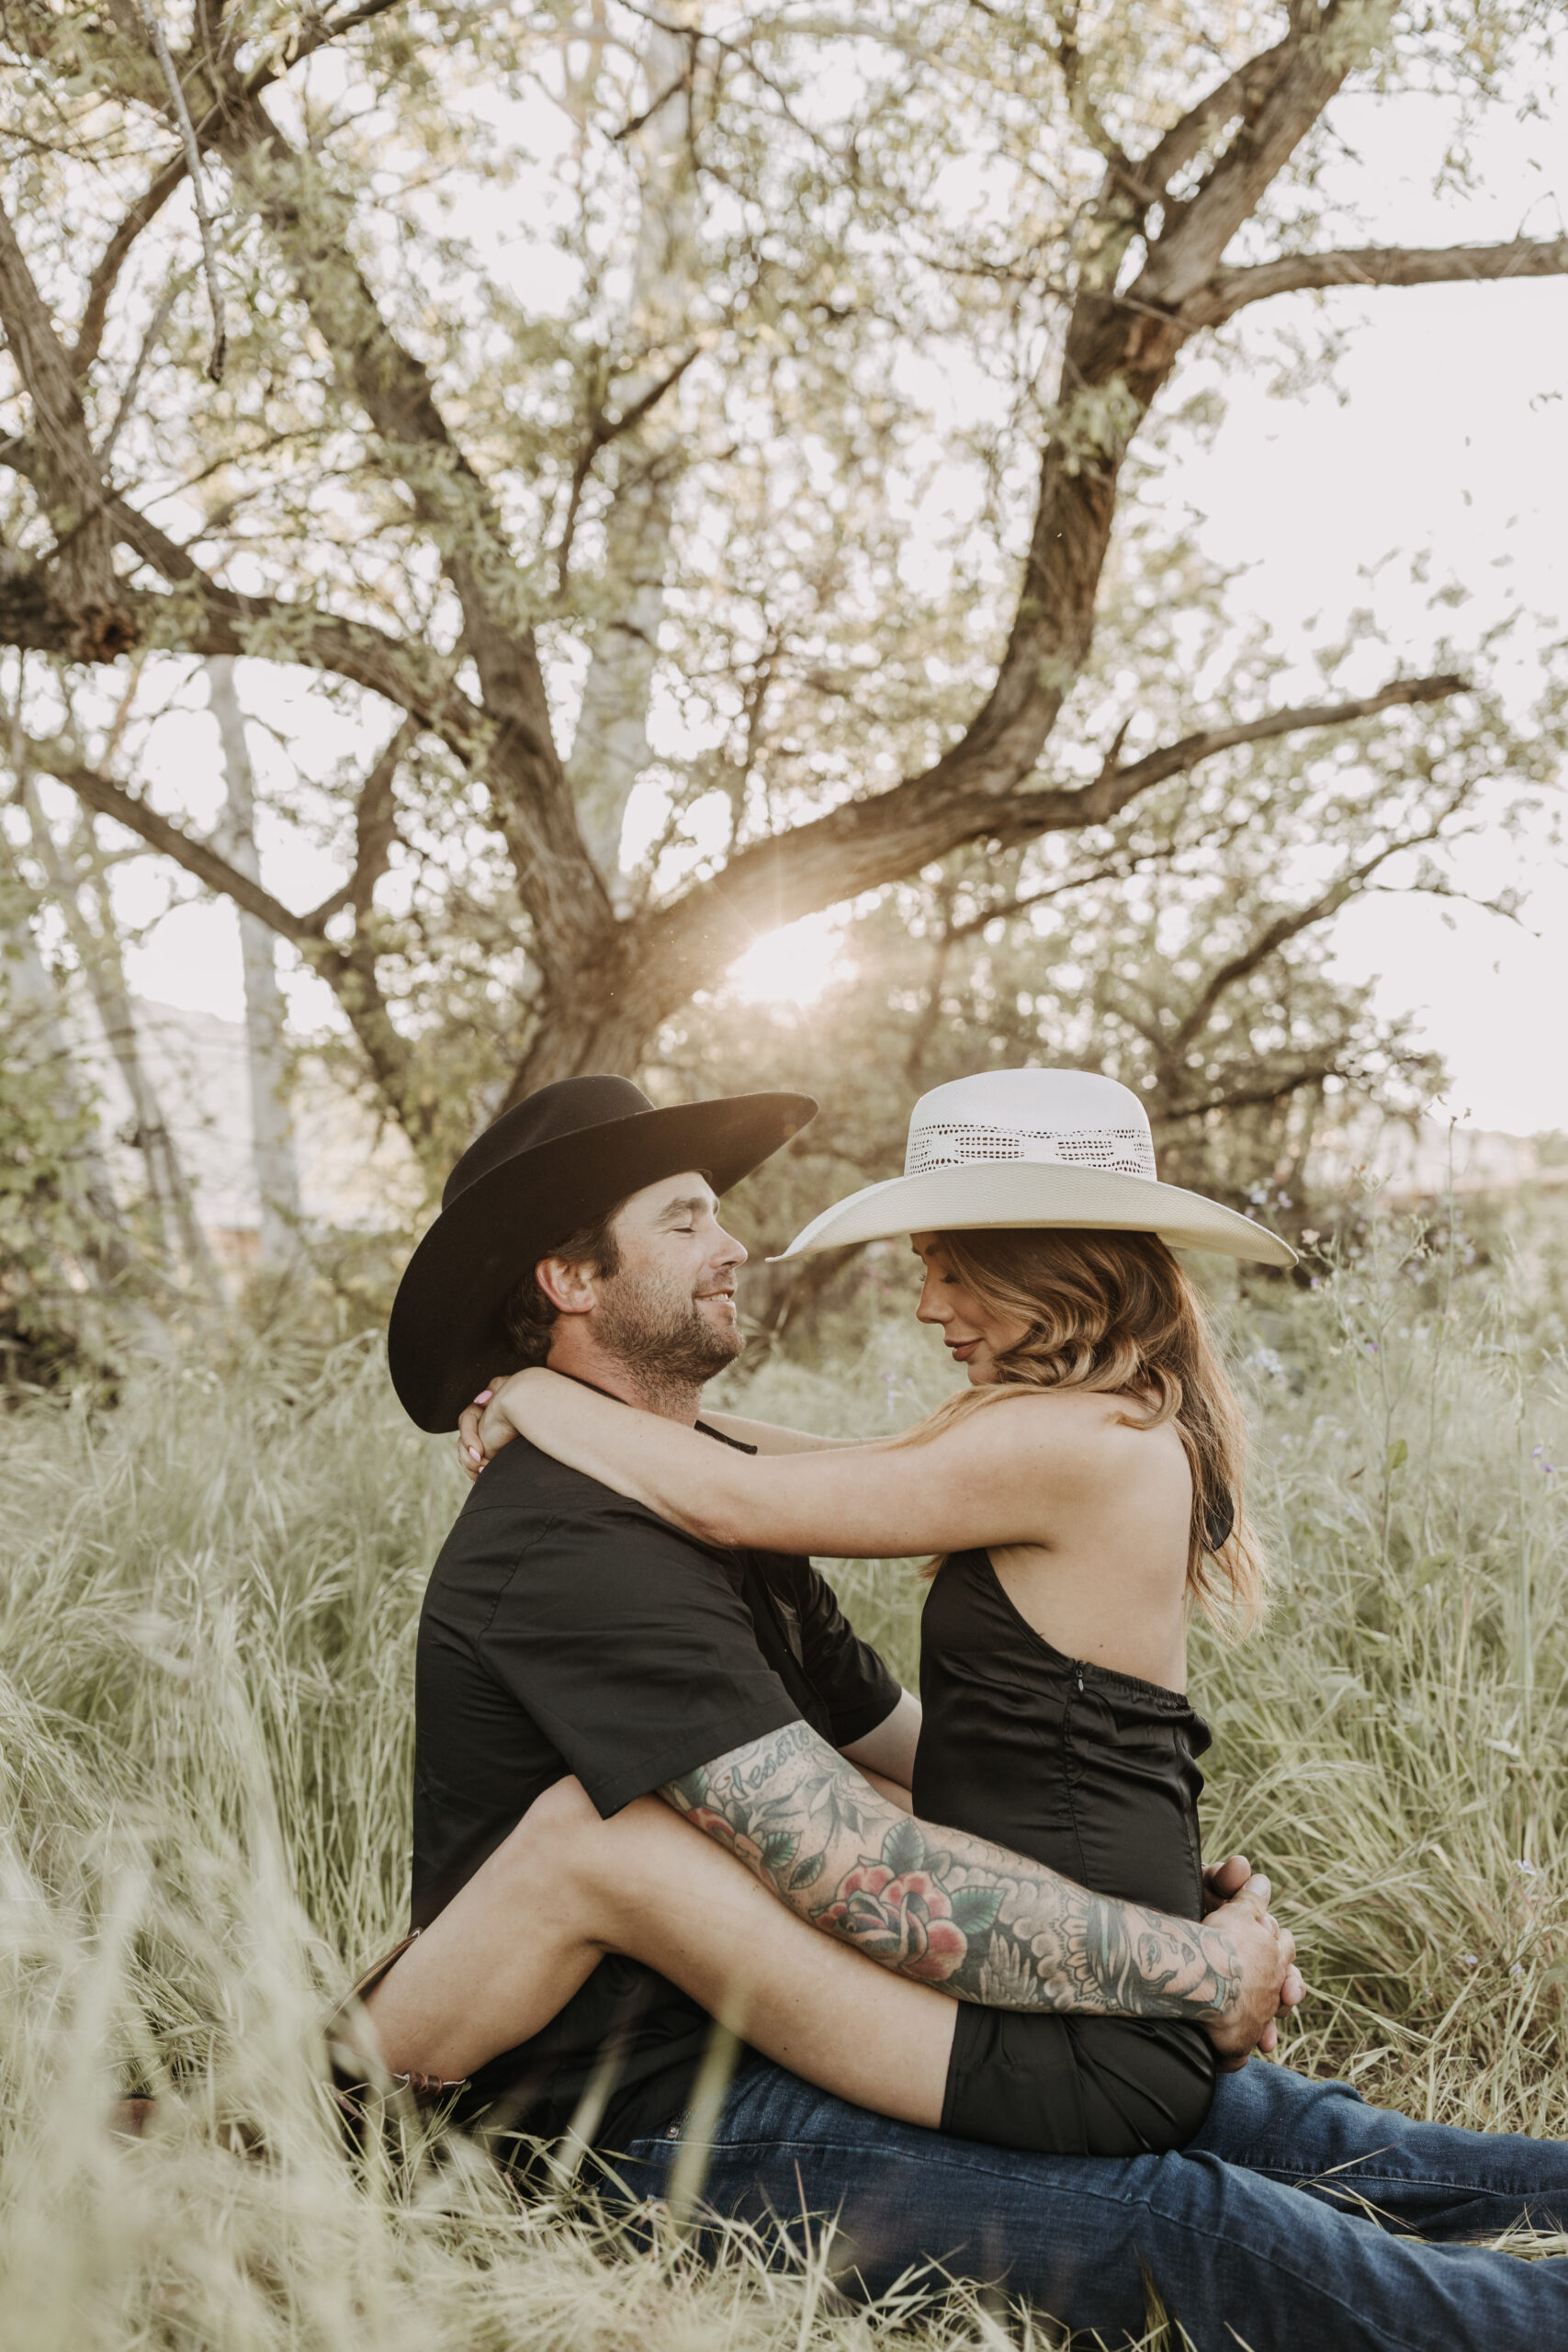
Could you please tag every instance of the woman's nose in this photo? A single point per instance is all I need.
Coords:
(933, 1307)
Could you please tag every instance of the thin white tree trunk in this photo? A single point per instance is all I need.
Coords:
(176, 1223)
(610, 748)
(272, 1127)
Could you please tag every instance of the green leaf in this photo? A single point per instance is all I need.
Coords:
(1398, 1455)
(974, 1908)
(779, 1847)
(807, 1874)
(904, 1848)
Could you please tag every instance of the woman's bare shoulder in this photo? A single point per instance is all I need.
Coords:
(1088, 1409)
(1093, 1430)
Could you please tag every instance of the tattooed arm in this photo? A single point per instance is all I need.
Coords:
(980, 1922)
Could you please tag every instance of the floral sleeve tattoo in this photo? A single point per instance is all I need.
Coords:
(937, 1904)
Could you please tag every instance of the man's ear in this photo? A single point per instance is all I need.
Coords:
(568, 1283)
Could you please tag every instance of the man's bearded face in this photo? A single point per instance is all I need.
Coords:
(662, 1326)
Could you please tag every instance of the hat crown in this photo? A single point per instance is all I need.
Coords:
(1071, 1118)
(563, 1109)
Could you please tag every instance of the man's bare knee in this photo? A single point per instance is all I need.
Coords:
(552, 1845)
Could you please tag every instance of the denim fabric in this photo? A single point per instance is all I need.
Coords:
(1259, 2234)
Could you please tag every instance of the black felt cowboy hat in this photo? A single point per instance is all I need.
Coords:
(554, 1164)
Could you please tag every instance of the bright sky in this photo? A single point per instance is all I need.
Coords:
(1445, 430)
(1452, 436)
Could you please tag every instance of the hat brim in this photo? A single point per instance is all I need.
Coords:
(447, 1337)
(1013, 1193)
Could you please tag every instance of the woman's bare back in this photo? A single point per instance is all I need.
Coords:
(1109, 1584)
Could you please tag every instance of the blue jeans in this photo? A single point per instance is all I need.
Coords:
(1285, 2226)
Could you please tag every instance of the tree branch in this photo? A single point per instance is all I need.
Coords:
(206, 619)
(181, 112)
(112, 260)
(1282, 930)
(1114, 787)
(71, 480)
(865, 844)
(1259, 1097)
(375, 829)
(1230, 290)
(349, 972)
(1120, 868)
(601, 432)
(161, 834)
(1238, 93)
(1308, 69)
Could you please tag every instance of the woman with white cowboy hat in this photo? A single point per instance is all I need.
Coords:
(1076, 1531)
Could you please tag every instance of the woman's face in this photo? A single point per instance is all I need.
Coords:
(972, 1335)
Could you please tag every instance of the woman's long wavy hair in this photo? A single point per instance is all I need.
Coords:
(1115, 1313)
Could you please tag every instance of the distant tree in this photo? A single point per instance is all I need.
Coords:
(77, 874)
(272, 1158)
(63, 1244)
(633, 431)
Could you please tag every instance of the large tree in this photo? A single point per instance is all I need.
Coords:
(649, 487)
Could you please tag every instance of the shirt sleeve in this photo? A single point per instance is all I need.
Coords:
(633, 1652)
(858, 1690)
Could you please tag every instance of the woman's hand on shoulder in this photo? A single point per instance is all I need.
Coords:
(471, 1454)
(485, 1425)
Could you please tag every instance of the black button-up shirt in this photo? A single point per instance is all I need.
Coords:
(567, 1630)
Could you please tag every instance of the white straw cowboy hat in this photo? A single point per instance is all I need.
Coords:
(1036, 1148)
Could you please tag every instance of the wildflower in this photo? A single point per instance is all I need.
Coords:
(1469, 1959)
(1516, 1970)
(1527, 1870)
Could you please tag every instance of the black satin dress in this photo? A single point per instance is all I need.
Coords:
(1095, 1774)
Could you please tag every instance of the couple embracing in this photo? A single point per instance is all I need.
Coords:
(997, 2021)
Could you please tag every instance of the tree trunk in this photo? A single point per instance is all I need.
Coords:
(175, 1223)
(610, 747)
(272, 1130)
(605, 1020)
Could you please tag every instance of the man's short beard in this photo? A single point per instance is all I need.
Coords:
(659, 1332)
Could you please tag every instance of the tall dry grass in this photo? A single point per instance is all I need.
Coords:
(206, 1646)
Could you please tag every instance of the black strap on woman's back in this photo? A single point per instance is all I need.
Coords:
(1219, 1525)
